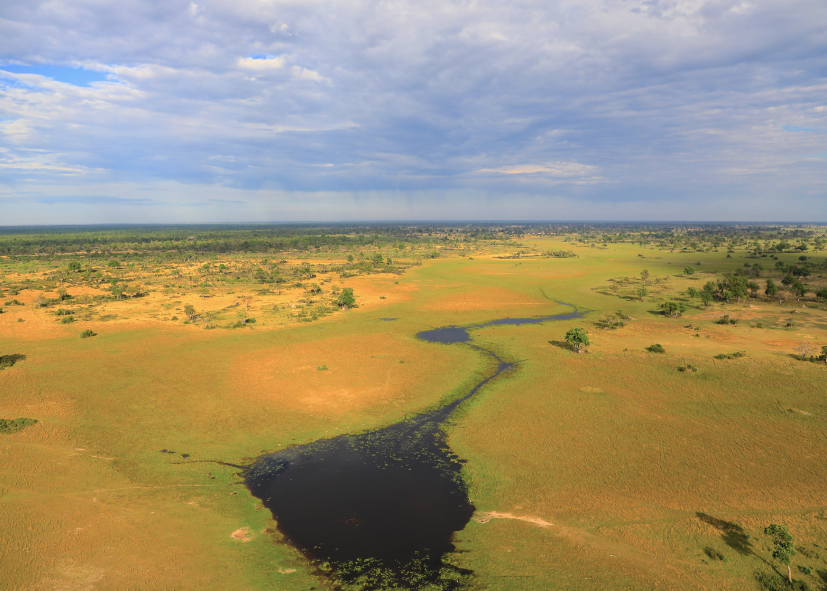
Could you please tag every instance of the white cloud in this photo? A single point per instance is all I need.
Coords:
(266, 63)
(601, 101)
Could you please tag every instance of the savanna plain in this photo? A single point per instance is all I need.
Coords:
(143, 369)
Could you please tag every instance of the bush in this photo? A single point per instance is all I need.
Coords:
(9, 427)
(775, 583)
(656, 348)
(725, 319)
(736, 355)
(759, 325)
(322, 368)
(88, 333)
(67, 319)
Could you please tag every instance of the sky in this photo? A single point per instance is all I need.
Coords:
(175, 111)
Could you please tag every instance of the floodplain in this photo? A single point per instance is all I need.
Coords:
(619, 467)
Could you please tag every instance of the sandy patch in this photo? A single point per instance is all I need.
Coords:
(488, 516)
(242, 535)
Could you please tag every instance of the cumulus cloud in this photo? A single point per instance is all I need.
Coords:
(612, 106)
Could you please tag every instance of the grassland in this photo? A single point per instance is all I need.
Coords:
(605, 470)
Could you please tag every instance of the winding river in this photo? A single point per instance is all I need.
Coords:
(379, 509)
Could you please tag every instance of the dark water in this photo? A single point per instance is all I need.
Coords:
(379, 510)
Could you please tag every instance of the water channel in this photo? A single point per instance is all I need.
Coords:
(378, 510)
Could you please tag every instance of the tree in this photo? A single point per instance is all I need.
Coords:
(798, 289)
(189, 310)
(641, 293)
(805, 349)
(577, 339)
(822, 294)
(346, 299)
(689, 270)
(706, 297)
(673, 309)
(823, 355)
(74, 266)
(644, 275)
(692, 293)
(771, 290)
(783, 545)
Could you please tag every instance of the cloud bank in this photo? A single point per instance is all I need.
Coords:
(284, 110)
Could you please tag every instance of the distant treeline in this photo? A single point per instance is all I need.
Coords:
(252, 238)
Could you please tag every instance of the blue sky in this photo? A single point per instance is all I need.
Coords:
(258, 110)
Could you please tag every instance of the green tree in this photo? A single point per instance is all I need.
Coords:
(189, 310)
(822, 294)
(689, 270)
(782, 542)
(692, 293)
(798, 289)
(74, 266)
(673, 309)
(346, 298)
(642, 292)
(706, 297)
(644, 275)
(577, 339)
(772, 289)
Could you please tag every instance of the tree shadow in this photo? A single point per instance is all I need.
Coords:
(561, 344)
(731, 533)
(822, 574)
(9, 360)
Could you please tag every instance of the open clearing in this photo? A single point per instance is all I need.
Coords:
(606, 470)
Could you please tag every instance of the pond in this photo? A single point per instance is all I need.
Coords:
(379, 510)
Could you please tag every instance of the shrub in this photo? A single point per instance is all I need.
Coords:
(322, 368)
(725, 319)
(9, 427)
(656, 348)
(88, 333)
(775, 583)
(759, 325)
(67, 319)
(736, 355)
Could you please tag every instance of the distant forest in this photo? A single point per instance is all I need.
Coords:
(269, 238)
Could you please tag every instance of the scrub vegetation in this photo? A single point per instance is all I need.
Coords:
(618, 468)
